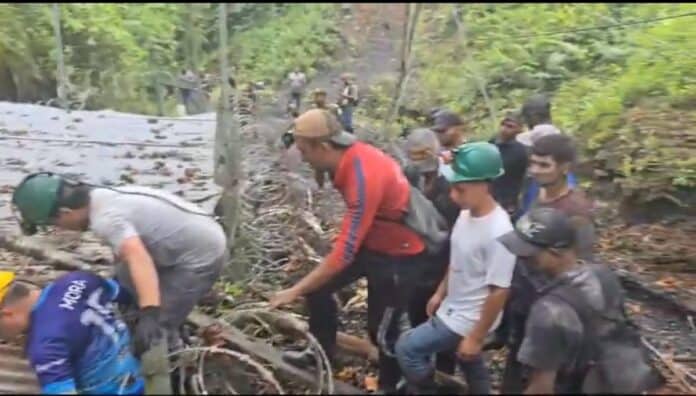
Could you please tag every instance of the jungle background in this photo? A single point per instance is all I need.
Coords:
(622, 78)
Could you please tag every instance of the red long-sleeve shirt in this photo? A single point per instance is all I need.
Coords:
(375, 191)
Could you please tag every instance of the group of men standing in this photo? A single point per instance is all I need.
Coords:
(343, 109)
(470, 247)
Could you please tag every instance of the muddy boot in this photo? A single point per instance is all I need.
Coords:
(304, 358)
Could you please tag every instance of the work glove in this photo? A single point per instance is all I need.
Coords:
(147, 331)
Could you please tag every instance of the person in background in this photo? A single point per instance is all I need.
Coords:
(468, 303)
(536, 113)
(298, 82)
(449, 128)
(75, 341)
(578, 339)
(373, 241)
(320, 102)
(506, 188)
(349, 98)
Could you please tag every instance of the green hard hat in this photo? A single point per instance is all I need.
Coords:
(36, 198)
(477, 161)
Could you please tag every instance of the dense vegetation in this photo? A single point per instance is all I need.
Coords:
(627, 93)
(119, 52)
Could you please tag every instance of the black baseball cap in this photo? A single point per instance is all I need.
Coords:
(541, 228)
(445, 119)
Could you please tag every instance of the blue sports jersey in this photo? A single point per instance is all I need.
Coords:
(77, 344)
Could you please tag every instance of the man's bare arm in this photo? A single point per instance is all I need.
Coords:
(494, 303)
(142, 271)
(317, 278)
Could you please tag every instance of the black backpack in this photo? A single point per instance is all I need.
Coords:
(604, 356)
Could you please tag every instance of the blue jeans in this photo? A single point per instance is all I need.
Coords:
(347, 118)
(415, 349)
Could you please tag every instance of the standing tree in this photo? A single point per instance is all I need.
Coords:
(228, 145)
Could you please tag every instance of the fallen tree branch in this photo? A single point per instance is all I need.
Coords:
(631, 281)
(33, 248)
(264, 372)
(288, 323)
(104, 142)
(350, 344)
(668, 362)
(264, 351)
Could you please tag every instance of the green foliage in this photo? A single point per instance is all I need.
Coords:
(120, 51)
(303, 37)
(594, 76)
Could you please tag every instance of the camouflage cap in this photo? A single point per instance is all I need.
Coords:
(320, 124)
(319, 91)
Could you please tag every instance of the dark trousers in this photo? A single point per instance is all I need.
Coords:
(347, 118)
(296, 98)
(523, 293)
(391, 282)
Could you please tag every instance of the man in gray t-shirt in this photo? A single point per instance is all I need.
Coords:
(577, 337)
(170, 252)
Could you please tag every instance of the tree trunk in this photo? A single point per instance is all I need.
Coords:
(60, 65)
(228, 145)
(412, 14)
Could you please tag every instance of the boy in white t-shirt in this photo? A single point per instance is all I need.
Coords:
(468, 304)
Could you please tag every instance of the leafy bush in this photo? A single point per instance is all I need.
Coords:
(121, 51)
(596, 77)
(303, 37)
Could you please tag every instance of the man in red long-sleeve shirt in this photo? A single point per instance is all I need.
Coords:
(373, 241)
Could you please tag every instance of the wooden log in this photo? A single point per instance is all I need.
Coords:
(364, 348)
(631, 281)
(33, 248)
(265, 352)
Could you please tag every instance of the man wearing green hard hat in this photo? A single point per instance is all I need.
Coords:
(468, 304)
(169, 252)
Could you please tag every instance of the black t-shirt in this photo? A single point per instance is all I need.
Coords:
(555, 338)
(506, 188)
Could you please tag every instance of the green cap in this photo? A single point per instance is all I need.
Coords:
(36, 198)
(477, 161)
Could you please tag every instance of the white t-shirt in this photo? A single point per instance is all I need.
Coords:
(477, 260)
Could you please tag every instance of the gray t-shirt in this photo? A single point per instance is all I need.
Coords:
(297, 82)
(173, 237)
(555, 337)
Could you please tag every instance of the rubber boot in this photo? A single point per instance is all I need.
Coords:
(155, 369)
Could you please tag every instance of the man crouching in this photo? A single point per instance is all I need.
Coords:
(75, 342)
